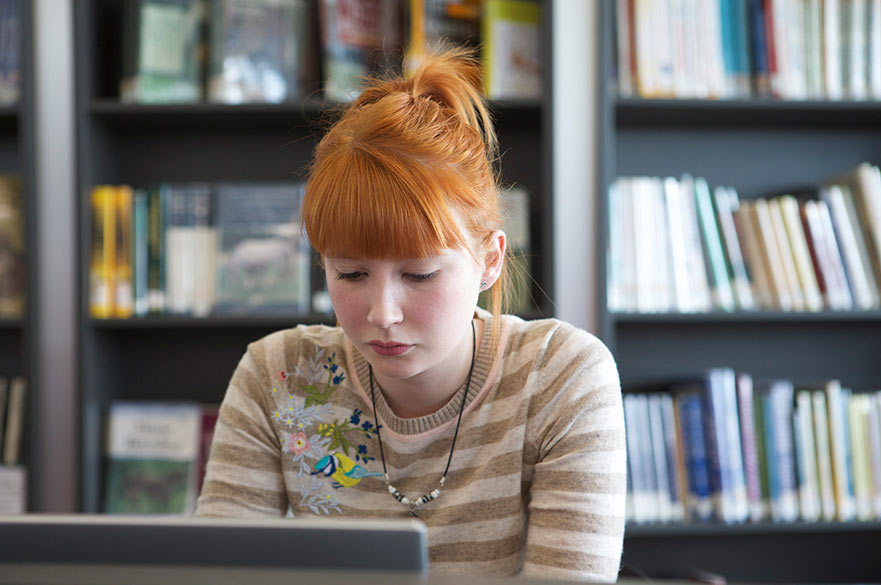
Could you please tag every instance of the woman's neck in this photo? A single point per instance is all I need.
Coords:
(428, 392)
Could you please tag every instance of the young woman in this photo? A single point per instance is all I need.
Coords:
(505, 437)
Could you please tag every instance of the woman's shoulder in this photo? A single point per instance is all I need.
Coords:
(551, 335)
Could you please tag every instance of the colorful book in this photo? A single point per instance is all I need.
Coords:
(512, 62)
(102, 267)
(263, 260)
(152, 458)
(260, 50)
(163, 51)
(825, 474)
(123, 276)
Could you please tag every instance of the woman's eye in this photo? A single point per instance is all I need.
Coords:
(349, 275)
(421, 277)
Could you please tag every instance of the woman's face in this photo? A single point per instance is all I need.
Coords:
(407, 317)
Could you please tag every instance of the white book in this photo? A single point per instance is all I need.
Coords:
(857, 79)
(739, 498)
(697, 266)
(858, 411)
(777, 276)
(647, 82)
(663, 286)
(614, 248)
(832, 49)
(825, 473)
(813, 41)
(834, 253)
(833, 295)
(836, 409)
(622, 22)
(807, 279)
(662, 47)
(780, 82)
(874, 57)
(642, 508)
(796, 67)
(645, 242)
(808, 489)
(710, 65)
(13, 490)
(786, 256)
(726, 204)
(864, 296)
(678, 245)
(875, 445)
(647, 458)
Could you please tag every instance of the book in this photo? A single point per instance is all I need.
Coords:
(836, 409)
(102, 264)
(756, 505)
(875, 449)
(4, 400)
(512, 64)
(140, 252)
(801, 256)
(824, 455)
(12, 247)
(359, 38)
(726, 203)
(776, 398)
(13, 490)
(658, 445)
(156, 297)
(123, 272)
(832, 51)
(688, 401)
(858, 406)
(10, 52)
(260, 50)
(754, 255)
(785, 253)
(151, 457)
(263, 261)
(16, 410)
(825, 258)
(209, 414)
(640, 494)
(190, 245)
(722, 293)
(163, 51)
(806, 460)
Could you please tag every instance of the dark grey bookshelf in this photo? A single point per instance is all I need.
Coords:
(18, 343)
(182, 358)
(762, 147)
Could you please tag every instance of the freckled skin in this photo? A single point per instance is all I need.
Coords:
(426, 305)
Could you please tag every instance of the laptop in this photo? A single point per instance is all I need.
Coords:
(380, 545)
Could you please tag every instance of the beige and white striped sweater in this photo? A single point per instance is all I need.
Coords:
(537, 480)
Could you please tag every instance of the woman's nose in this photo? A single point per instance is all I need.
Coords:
(385, 307)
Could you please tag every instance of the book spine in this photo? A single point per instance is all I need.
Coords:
(838, 433)
(808, 491)
(675, 465)
(875, 449)
(726, 203)
(664, 505)
(124, 296)
(15, 421)
(156, 298)
(700, 505)
(824, 455)
(749, 447)
(722, 292)
(102, 265)
(140, 273)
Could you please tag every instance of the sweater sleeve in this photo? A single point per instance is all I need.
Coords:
(244, 474)
(576, 507)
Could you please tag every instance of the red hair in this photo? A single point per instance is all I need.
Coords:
(407, 166)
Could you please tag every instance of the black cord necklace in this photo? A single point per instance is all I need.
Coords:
(424, 498)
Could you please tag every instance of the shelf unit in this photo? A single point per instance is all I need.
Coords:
(761, 147)
(18, 343)
(175, 358)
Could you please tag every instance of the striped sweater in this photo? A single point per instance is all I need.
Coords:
(537, 480)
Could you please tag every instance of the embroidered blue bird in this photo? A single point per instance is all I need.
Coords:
(343, 470)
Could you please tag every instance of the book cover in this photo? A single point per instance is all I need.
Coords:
(102, 266)
(798, 246)
(260, 50)
(787, 258)
(836, 409)
(152, 451)
(771, 255)
(190, 248)
(512, 64)
(824, 256)
(688, 401)
(163, 51)
(359, 38)
(723, 295)
(263, 261)
(16, 410)
(12, 247)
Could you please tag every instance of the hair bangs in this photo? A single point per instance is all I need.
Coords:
(367, 204)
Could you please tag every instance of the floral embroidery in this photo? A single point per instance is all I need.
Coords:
(319, 441)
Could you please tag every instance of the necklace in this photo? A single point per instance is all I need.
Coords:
(424, 498)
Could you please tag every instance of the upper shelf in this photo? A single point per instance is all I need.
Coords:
(749, 112)
(306, 111)
(748, 316)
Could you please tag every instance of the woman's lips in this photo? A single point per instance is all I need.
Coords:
(389, 348)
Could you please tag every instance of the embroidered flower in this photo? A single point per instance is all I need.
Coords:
(298, 443)
(362, 449)
(356, 417)
(339, 379)
(367, 425)
(282, 375)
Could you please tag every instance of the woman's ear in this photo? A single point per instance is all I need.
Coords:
(494, 257)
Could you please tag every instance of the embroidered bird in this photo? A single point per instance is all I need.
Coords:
(343, 470)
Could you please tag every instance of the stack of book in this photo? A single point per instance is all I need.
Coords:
(677, 245)
(269, 51)
(803, 49)
(725, 447)
(198, 249)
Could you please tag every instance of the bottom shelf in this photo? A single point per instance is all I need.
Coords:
(767, 553)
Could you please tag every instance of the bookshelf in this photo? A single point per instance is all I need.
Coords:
(18, 343)
(761, 147)
(182, 358)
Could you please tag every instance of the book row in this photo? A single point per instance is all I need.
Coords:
(786, 49)
(12, 263)
(678, 245)
(198, 249)
(728, 448)
(10, 51)
(271, 51)
(155, 456)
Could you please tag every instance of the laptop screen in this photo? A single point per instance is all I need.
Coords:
(335, 544)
